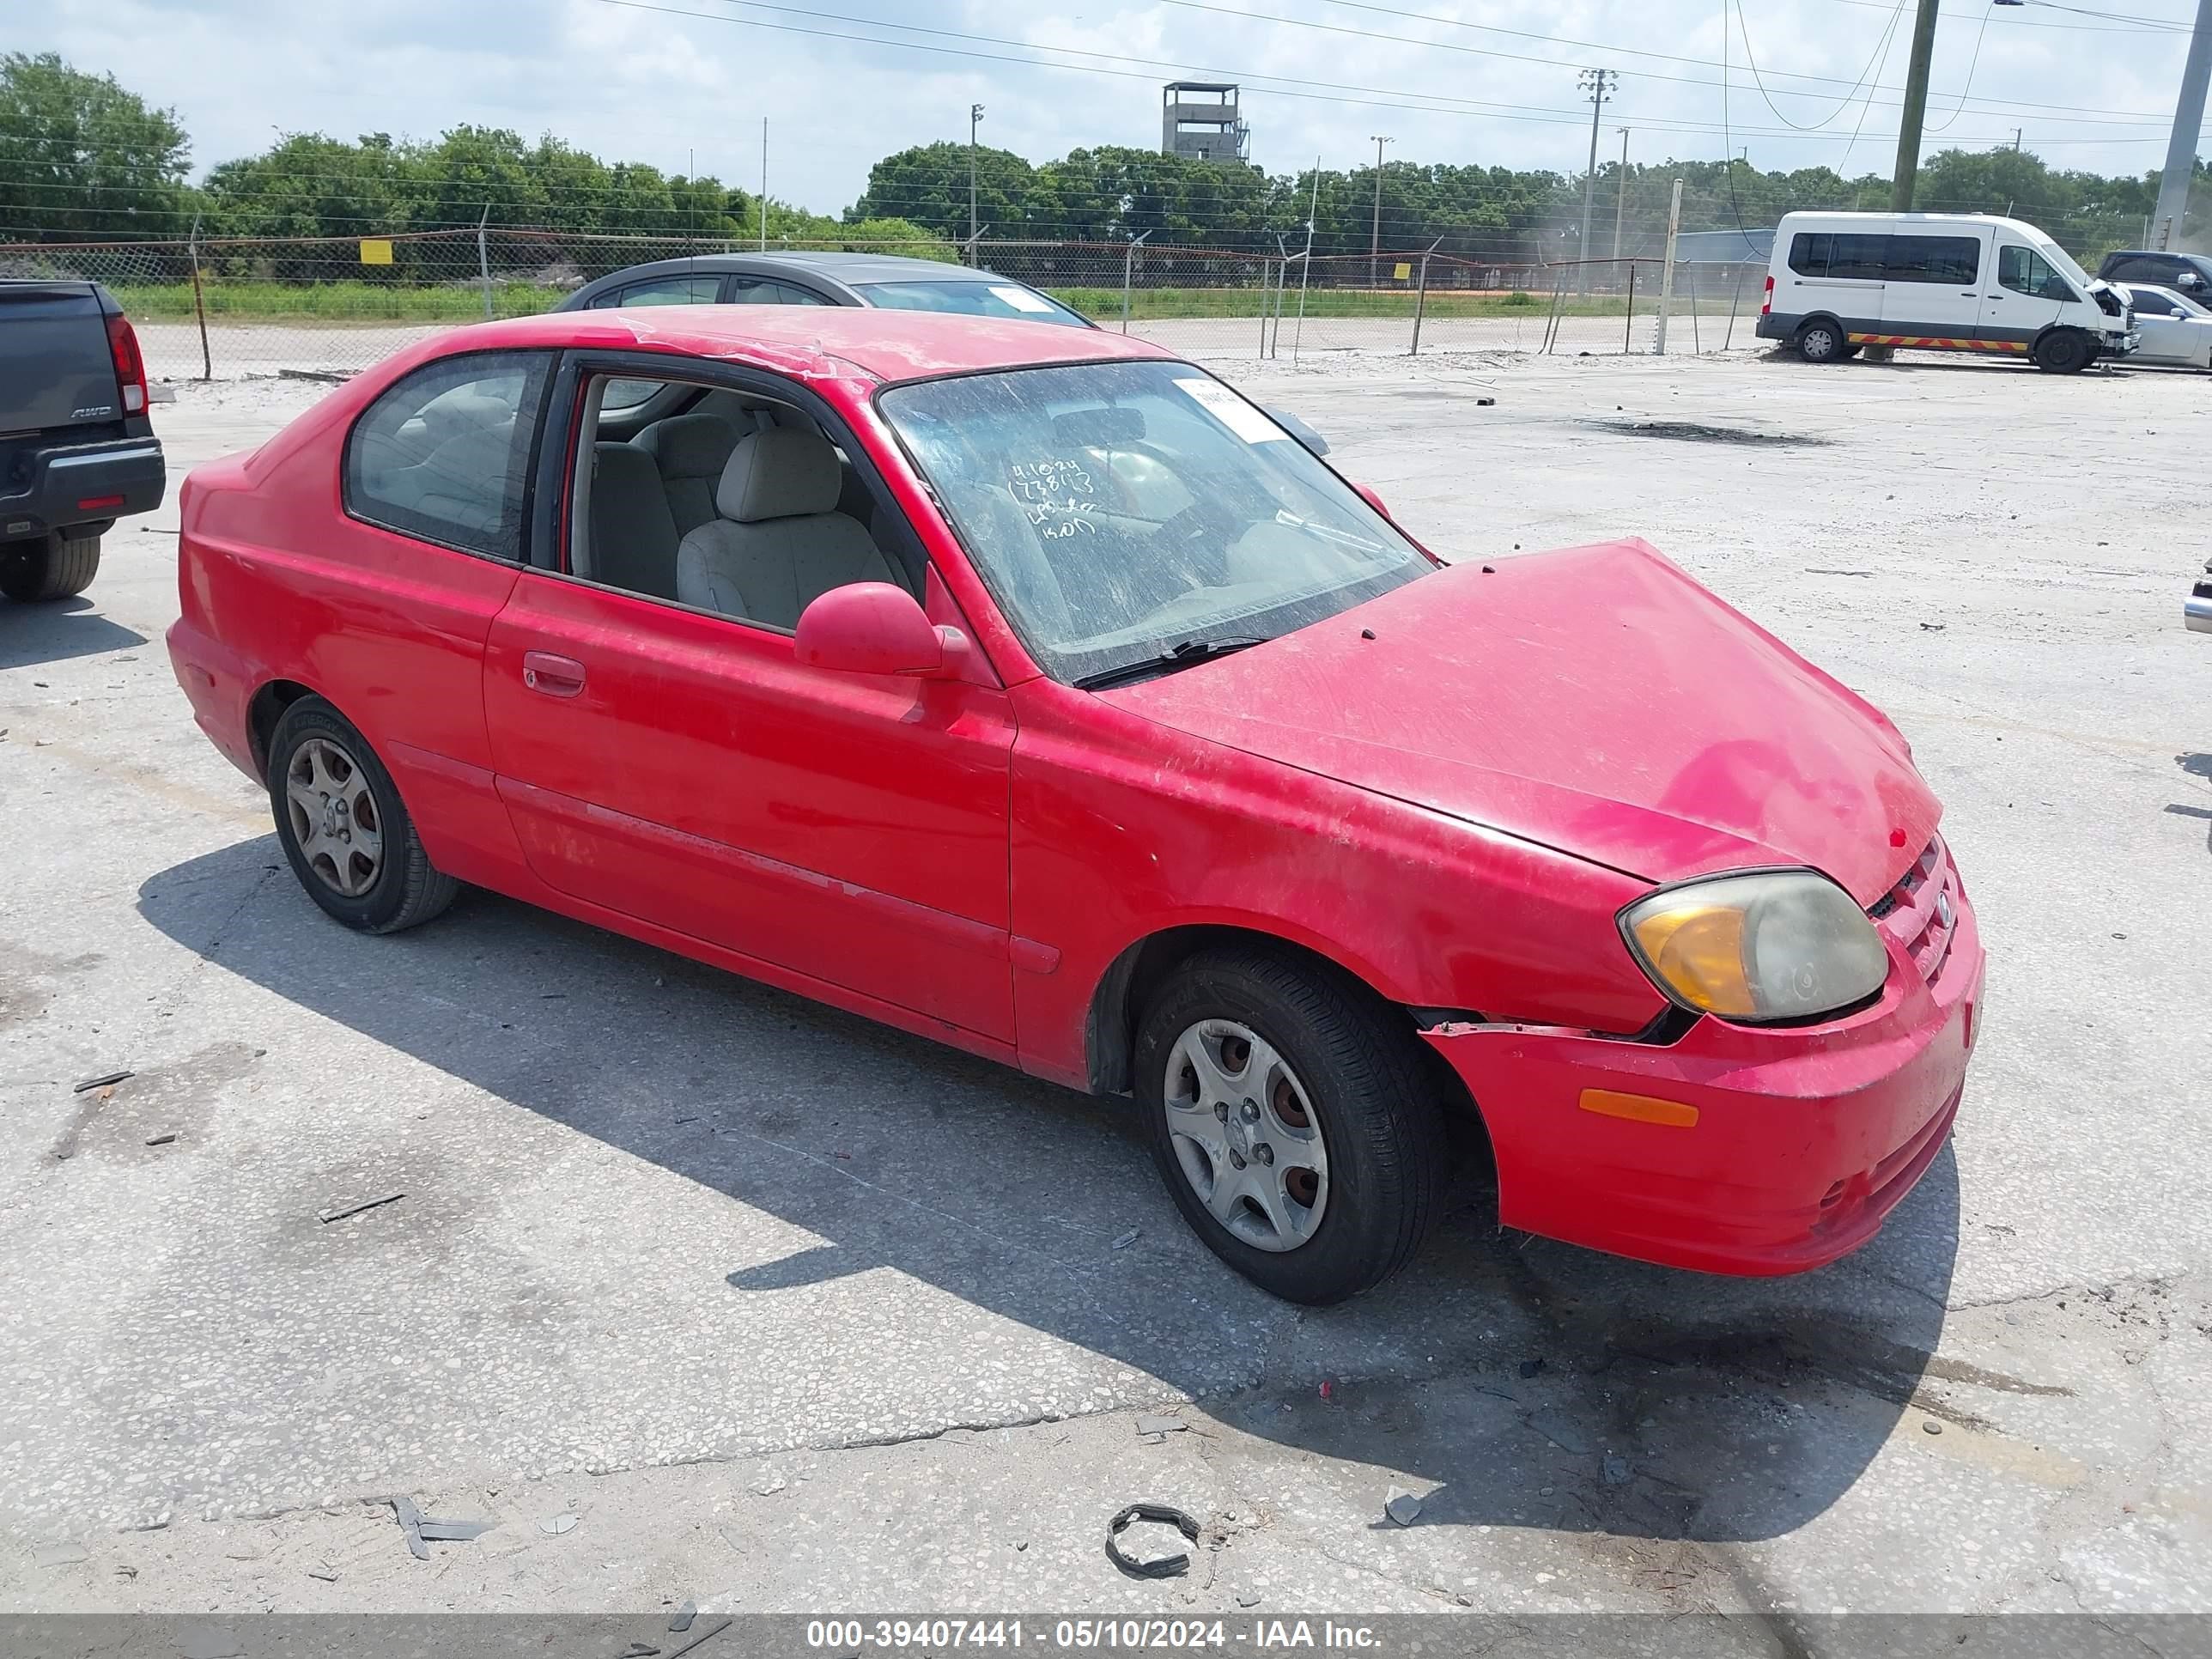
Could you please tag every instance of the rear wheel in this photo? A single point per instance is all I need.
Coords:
(58, 565)
(1821, 341)
(1293, 1121)
(345, 830)
(2064, 351)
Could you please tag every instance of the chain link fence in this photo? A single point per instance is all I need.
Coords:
(231, 309)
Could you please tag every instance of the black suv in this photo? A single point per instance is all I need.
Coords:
(2185, 273)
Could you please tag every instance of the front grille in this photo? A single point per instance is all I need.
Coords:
(1921, 913)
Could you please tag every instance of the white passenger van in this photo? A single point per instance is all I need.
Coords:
(1944, 282)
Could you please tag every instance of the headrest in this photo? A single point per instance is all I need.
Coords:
(623, 464)
(689, 446)
(779, 473)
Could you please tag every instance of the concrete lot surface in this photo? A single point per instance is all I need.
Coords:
(800, 1314)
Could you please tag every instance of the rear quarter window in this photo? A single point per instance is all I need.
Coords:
(444, 454)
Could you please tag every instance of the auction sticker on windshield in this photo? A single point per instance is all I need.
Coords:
(1022, 300)
(1232, 411)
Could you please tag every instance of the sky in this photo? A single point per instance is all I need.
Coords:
(683, 84)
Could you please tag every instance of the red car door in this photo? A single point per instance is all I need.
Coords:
(684, 769)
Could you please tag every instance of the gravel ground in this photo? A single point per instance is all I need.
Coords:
(796, 1312)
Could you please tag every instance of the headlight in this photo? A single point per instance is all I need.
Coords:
(1785, 945)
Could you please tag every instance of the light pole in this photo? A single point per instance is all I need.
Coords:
(1593, 82)
(2188, 123)
(974, 114)
(1375, 233)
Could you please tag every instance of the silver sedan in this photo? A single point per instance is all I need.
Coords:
(2176, 330)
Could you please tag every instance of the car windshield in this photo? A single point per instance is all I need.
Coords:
(1123, 512)
(969, 298)
(2061, 258)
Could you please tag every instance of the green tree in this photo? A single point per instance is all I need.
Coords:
(80, 157)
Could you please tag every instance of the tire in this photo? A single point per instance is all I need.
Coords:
(59, 565)
(1361, 1177)
(2064, 351)
(378, 885)
(1821, 341)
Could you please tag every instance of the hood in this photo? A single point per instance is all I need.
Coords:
(1595, 700)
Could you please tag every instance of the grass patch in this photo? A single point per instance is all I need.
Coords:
(332, 302)
(303, 305)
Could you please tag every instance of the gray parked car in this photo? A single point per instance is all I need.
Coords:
(2196, 609)
(822, 279)
(2176, 330)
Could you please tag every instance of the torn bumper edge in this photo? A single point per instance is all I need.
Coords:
(1804, 1139)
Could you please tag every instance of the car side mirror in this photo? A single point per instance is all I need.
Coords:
(1368, 495)
(1299, 430)
(874, 627)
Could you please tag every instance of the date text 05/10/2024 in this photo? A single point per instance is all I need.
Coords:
(856, 1636)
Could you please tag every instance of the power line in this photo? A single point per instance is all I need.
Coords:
(1881, 52)
(1331, 93)
(1607, 46)
(1987, 11)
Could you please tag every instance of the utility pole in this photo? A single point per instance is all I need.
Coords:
(763, 239)
(1375, 235)
(974, 114)
(2015, 140)
(2188, 126)
(1620, 197)
(1915, 109)
(1594, 83)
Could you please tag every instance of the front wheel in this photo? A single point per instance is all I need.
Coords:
(59, 565)
(2064, 351)
(1293, 1121)
(345, 830)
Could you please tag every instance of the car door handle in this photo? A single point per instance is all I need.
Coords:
(556, 677)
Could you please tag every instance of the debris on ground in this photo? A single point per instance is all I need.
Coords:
(1243, 1601)
(328, 1575)
(706, 1635)
(421, 1530)
(1402, 1507)
(1558, 1428)
(638, 1651)
(106, 1080)
(1530, 1367)
(329, 1215)
(681, 1619)
(1616, 1470)
(1935, 627)
(1483, 403)
(555, 1525)
(329, 376)
(161, 1139)
(1167, 1567)
(1126, 1239)
(1932, 1426)
(1146, 1424)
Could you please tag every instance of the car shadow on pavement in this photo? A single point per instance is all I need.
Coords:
(1515, 1381)
(32, 633)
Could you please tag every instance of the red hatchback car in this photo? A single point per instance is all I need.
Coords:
(1031, 689)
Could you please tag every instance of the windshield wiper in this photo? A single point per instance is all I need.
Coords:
(1182, 654)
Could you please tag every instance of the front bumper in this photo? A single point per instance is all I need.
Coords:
(1795, 1145)
(83, 483)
